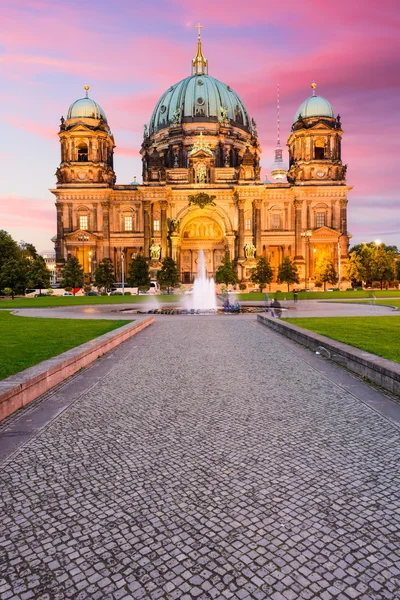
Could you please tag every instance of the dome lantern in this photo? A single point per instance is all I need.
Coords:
(314, 106)
(86, 108)
(199, 63)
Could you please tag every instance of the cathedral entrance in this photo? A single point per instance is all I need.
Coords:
(201, 233)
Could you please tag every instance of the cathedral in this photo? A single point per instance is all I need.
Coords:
(201, 186)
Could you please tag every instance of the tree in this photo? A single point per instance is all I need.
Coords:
(28, 250)
(168, 275)
(72, 274)
(104, 274)
(39, 274)
(262, 273)
(354, 269)
(287, 272)
(325, 271)
(383, 265)
(8, 248)
(13, 275)
(226, 272)
(138, 273)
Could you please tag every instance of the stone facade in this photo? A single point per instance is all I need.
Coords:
(201, 190)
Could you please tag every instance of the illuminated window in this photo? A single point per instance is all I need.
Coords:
(83, 222)
(320, 219)
(128, 223)
(319, 150)
(247, 224)
(156, 224)
(276, 221)
(82, 153)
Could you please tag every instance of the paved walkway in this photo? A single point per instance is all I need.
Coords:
(208, 458)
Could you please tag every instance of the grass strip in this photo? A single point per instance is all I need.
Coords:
(26, 341)
(378, 335)
(48, 301)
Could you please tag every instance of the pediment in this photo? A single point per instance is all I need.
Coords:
(326, 232)
(202, 153)
(80, 127)
(320, 126)
(74, 236)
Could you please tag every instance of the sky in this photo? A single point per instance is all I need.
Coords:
(131, 51)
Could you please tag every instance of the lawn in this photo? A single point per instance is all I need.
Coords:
(26, 341)
(378, 335)
(46, 301)
(322, 295)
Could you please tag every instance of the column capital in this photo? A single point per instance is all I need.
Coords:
(163, 204)
(59, 206)
(146, 204)
(257, 203)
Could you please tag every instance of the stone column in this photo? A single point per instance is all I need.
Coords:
(286, 225)
(146, 228)
(257, 226)
(298, 228)
(60, 235)
(94, 226)
(240, 204)
(163, 227)
(308, 226)
(70, 223)
(106, 229)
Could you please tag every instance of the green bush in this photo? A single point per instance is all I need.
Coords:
(103, 294)
(127, 294)
(242, 286)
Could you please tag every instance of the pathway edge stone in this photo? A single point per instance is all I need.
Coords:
(381, 371)
(20, 389)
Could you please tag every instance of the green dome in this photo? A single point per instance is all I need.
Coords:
(86, 108)
(199, 98)
(315, 106)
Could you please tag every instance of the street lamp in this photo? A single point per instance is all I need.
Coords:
(90, 265)
(306, 235)
(122, 270)
(83, 237)
(339, 264)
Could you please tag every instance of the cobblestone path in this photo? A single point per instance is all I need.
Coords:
(210, 463)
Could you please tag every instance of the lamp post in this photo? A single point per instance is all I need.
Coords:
(90, 265)
(339, 264)
(306, 235)
(83, 237)
(122, 270)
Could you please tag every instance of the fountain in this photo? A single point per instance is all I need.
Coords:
(203, 298)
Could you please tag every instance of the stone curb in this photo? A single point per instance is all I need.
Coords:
(20, 389)
(381, 371)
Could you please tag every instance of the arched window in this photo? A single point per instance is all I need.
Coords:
(82, 153)
(319, 150)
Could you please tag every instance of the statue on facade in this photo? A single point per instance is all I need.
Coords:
(249, 251)
(201, 173)
(176, 117)
(254, 128)
(145, 131)
(155, 251)
(223, 114)
(62, 126)
(60, 175)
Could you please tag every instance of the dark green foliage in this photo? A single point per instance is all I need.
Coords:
(39, 274)
(287, 272)
(72, 274)
(168, 275)
(8, 248)
(104, 275)
(262, 274)
(138, 273)
(13, 275)
(226, 272)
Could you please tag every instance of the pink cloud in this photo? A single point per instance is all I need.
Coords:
(19, 212)
(30, 127)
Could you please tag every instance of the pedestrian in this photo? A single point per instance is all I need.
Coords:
(295, 294)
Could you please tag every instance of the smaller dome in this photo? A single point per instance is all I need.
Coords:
(86, 108)
(315, 106)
